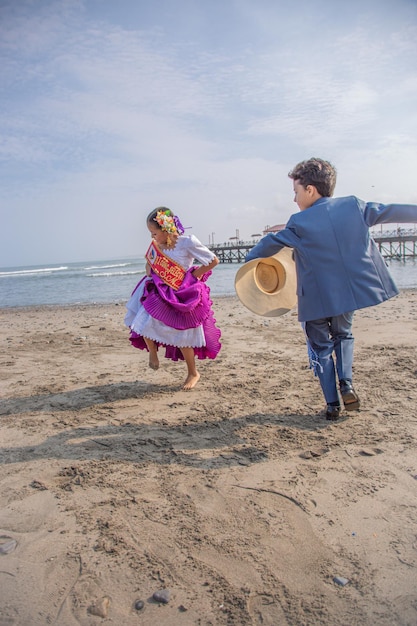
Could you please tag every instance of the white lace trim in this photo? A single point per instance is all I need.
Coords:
(147, 326)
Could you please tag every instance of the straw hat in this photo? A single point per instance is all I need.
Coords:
(268, 286)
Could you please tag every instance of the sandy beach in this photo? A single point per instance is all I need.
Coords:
(237, 500)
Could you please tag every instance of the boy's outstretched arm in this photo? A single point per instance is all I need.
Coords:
(273, 243)
(375, 213)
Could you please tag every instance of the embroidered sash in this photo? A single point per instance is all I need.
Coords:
(171, 272)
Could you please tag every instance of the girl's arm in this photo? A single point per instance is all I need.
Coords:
(148, 269)
(197, 273)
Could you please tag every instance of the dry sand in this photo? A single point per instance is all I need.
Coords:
(238, 497)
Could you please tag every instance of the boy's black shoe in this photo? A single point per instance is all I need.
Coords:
(333, 412)
(349, 396)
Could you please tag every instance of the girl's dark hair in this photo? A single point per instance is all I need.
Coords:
(317, 172)
(152, 215)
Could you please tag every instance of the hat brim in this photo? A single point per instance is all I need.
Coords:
(268, 287)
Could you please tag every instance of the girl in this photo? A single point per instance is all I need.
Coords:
(171, 305)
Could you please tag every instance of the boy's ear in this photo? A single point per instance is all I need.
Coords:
(312, 191)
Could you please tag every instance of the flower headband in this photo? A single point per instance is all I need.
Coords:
(169, 223)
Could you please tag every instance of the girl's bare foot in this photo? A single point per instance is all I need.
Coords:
(153, 361)
(153, 353)
(191, 381)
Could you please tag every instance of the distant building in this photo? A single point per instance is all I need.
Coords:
(273, 229)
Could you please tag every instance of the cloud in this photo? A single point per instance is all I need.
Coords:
(204, 109)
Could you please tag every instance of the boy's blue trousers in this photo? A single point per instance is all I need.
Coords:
(327, 336)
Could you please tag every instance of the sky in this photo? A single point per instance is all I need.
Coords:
(110, 109)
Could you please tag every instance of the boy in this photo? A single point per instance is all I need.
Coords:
(339, 269)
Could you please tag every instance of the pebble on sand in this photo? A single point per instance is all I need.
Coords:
(7, 544)
(162, 596)
(100, 608)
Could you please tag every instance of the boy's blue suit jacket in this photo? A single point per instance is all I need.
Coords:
(339, 267)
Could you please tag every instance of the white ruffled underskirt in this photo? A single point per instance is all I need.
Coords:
(139, 320)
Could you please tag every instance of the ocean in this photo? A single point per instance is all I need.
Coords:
(112, 281)
(105, 282)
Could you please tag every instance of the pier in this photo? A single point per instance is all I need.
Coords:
(232, 253)
(398, 244)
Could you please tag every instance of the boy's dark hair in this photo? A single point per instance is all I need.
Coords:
(152, 215)
(317, 172)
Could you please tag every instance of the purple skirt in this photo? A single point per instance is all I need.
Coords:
(188, 307)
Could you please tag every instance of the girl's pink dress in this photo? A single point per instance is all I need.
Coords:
(179, 318)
